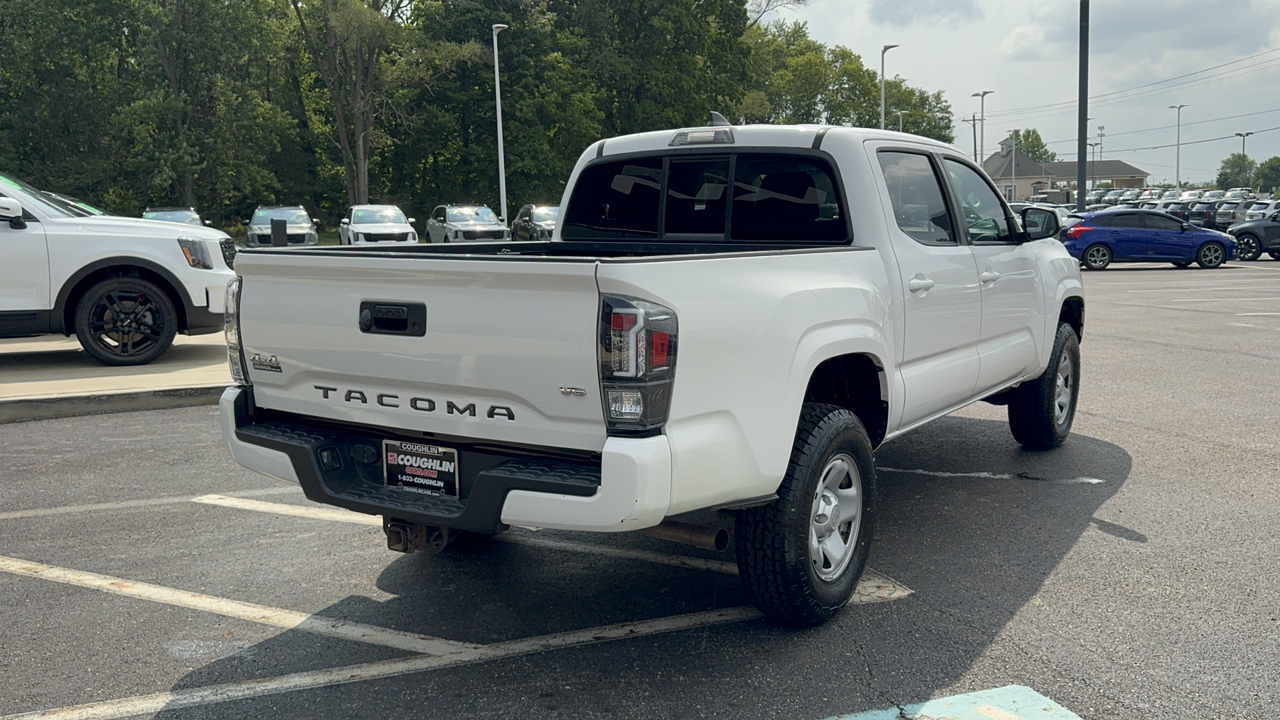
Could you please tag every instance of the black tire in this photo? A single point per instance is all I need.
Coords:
(1096, 257)
(1034, 406)
(1248, 247)
(1182, 264)
(774, 541)
(1211, 255)
(125, 321)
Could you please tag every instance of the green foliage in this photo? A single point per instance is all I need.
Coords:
(1236, 171)
(1031, 145)
(225, 104)
(1267, 177)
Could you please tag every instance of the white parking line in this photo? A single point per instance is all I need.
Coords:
(175, 699)
(1256, 314)
(872, 587)
(1235, 299)
(276, 617)
(125, 504)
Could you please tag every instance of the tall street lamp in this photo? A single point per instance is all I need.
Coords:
(1177, 163)
(982, 119)
(1013, 135)
(1242, 137)
(883, 50)
(497, 95)
(900, 114)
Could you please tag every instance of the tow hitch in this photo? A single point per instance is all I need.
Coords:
(407, 537)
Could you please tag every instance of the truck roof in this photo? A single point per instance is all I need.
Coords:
(798, 136)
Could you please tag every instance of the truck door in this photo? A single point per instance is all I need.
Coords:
(941, 298)
(24, 277)
(1012, 298)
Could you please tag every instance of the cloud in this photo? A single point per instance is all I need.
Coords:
(906, 13)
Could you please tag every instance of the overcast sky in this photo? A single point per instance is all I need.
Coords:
(1027, 53)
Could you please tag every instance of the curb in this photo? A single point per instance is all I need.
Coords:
(61, 406)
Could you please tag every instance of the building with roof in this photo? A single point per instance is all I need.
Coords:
(1033, 178)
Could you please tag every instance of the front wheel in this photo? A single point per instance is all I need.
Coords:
(1211, 255)
(1248, 248)
(125, 321)
(1097, 257)
(800, 557)
(1041, 411)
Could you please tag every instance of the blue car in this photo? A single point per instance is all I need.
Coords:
(1128, 235)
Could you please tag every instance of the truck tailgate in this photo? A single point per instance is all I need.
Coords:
(509, 351)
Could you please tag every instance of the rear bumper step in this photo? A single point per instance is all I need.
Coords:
(349, 474)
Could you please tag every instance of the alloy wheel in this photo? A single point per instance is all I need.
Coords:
(836, 518)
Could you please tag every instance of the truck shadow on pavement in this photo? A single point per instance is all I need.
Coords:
(974, 525)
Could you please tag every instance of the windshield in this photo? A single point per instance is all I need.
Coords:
(472, 214)
(31, 196)
(179, 216)
(546, 214)
(373, 216)
(293, 216)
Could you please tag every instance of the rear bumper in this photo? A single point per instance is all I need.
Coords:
(626, 487)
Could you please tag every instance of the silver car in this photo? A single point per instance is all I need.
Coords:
(1261, 209)
(301, 229)
(465, 223)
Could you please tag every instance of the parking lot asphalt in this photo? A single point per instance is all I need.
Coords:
(1128, 574)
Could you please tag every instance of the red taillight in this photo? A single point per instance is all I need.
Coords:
(1076, 231)
(638, 343)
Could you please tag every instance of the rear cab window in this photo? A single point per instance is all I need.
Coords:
(773, 198)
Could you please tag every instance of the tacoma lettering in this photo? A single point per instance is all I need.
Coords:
(421, 404)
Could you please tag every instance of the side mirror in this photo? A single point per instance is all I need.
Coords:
(11, 210)
(1186, 226)
(413, 220)
(344, 221)
(209, 223)
(1040, 223)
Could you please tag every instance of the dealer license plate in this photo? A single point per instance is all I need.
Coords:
(427, 469)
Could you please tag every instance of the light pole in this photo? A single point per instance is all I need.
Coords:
(900, 114)
(1013, 135)
(497, 95)
(1242, 137)
(982, 119)
(1093, 177)
(1177, 163)
(974, 123)
(883, 50)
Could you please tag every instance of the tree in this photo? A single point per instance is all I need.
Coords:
(1032, 146)
(1236, 171)
(1267, 176)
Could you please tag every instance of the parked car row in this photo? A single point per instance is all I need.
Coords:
(1100, 238)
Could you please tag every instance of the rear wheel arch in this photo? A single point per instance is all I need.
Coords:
(858, 383)
(63, 317)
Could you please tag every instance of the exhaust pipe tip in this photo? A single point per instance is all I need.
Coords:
(706, 538)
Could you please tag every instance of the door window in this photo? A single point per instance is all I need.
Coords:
(1158, 222)
(1126, 220)
(984, 214)
(916, 195)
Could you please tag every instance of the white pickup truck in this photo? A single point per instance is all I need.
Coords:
(725, 317)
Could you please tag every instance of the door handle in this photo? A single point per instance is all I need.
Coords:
(989, 276)
(919, 284)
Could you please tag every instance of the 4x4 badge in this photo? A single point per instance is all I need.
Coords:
(269, 364)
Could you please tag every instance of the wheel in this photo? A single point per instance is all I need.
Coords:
(1097, 257)
(1211, 255)
(1041, 411)
(800, 557)
(1182, 263)
(1248, 248)
(125, 321)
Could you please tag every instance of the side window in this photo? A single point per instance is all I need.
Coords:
(438, 215)
(984, 214)
(786, 198)
(1126, 220)
(697, 196)
(1159, 222)
(615, 200)
(916, 195)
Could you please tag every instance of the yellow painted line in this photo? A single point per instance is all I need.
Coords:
(275, 617)
(195, 697)
(872, 587)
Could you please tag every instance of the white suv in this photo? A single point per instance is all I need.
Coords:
(124, 286)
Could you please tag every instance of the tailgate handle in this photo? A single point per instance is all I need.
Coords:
(387, 317)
